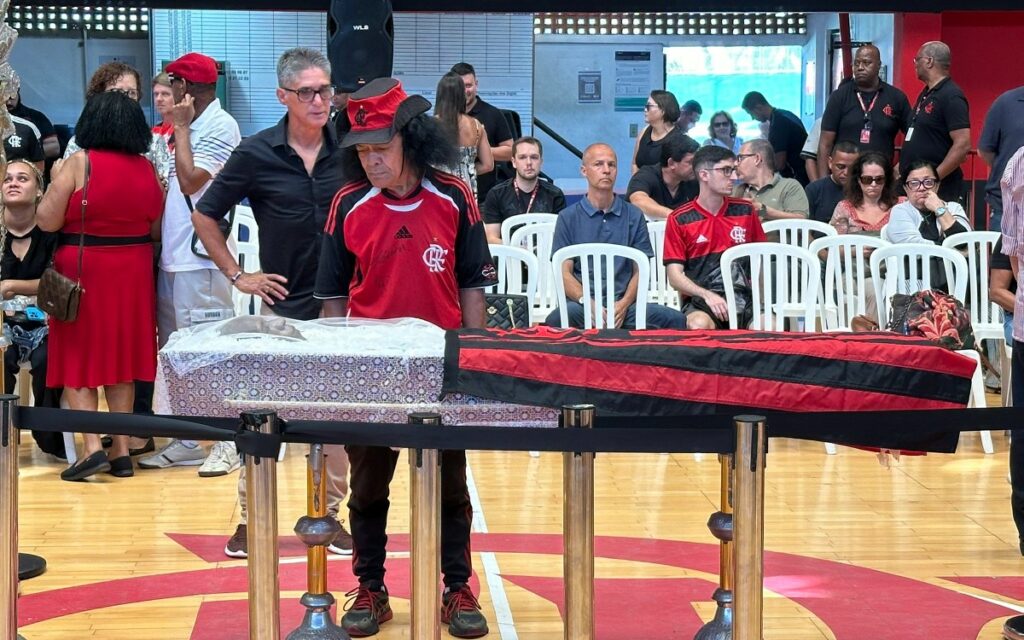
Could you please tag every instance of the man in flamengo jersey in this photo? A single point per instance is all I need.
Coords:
(696, 235)
(404, 240)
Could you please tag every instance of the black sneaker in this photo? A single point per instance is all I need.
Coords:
(366, 609)
(342, 544)
(238, 545)
(461, 612)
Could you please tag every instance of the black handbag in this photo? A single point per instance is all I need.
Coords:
(507, 311)
(224, 224)
(59, 295)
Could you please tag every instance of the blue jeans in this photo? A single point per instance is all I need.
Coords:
(1008, 327)
(995, 218)
(658, 317)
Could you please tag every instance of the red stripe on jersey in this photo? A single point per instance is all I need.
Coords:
(472, 210)
(332, 214)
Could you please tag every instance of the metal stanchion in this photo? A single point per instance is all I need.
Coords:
(748, 526)
(8, 516)
(261, 495)
(720, 524)
(316, 530)
(425, 540)
(578, 529)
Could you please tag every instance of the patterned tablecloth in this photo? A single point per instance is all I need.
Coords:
(332, 369)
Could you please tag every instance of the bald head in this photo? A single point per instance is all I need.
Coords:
(866, 65)
(600, 168)
(938, 52)
(594, 148)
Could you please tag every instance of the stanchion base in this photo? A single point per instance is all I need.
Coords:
(30, 566)
(318, 623)
(1013, 629)
(720, 628)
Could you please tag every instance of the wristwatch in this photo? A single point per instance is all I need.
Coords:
(941, 211)
(582, 298)
(235, 277)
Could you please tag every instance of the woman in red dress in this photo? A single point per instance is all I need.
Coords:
(112, 343)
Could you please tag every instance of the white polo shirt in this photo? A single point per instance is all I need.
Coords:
(214, 135)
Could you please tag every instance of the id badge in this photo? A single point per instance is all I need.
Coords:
(910, 132)
(865, 136)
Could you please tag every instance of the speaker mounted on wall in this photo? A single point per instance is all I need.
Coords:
(360, 42)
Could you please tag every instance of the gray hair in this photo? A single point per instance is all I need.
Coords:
(294, 61)
(764, 149)
(939, 52)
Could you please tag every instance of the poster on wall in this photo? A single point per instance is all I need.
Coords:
(632, 80)
(589, 91)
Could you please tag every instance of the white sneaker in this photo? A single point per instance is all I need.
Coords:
(223, 459)
(175, 454)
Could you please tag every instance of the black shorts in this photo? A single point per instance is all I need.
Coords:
(694, 303)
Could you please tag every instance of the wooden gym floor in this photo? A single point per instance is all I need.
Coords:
(854, 551)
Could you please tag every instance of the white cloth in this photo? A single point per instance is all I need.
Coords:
(905, 222)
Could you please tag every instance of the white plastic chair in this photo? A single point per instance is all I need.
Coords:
(846, 272)
(773, 297)
(660, 291)
(249, 261)
(536, 238)
(510, 224)
(509, 262)
(245, 221)
(598, 260)
(908, 270)
(798, 233)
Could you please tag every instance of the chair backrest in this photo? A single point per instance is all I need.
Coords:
(799, 233)
(908, 270)
(598, 260)
(771, 297)
(509, 262)
(510, 224)
(536, 238)
(249, 261)
(660, 291)
(977, 247)
(846, 277)
(245, 227)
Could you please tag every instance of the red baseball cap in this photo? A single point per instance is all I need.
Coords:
(194, 67)
(379, 110)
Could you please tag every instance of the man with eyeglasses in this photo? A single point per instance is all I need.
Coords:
(290, 173)
(825, 193)
(786, 133)
(777, 198)
(940, 123)
(696, 235)
(189, 290)
(867, 112)
(659, 189)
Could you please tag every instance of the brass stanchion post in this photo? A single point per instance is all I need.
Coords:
(578, 529)
(8, 516)
(748, 526)
(720, 525)
(261, 496)
(425, 540)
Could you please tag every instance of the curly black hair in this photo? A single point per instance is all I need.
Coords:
(424, 142)
(114, 122)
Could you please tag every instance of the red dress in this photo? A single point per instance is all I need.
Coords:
(113, 340)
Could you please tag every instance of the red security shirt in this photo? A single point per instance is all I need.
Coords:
(696, 238)
(408, 257)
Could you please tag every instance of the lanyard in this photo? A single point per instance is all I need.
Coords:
(533, 195)
(871, 106)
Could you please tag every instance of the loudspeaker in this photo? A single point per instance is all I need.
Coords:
(360, 42)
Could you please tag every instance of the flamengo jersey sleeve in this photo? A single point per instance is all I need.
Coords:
(754, 229)
(337, 264)
(675, 247)
(473, 264)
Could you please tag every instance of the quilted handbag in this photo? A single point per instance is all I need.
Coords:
(507, 311)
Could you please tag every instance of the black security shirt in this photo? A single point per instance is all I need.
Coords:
(505, 201)
(936, 112)
(889, 115)
(787, 133)
(497, 132)
(649, 180)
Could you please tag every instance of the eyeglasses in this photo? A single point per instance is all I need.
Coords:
(131, 93)
(649, 106)
(866, 180)
(917, 185)
(724, 123)
(920, 58)
(725, 171)
(741, 156)
(305, 94)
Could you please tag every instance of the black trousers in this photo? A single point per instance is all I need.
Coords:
(1017, 444)
(371, 470)
(49, 442)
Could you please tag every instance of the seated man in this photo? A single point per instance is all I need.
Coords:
(777, 198)
(525, 193)
(660, 189)
(697, 234)
(825, 193)
(602, 217)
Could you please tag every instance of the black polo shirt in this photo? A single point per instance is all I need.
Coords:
(936, 112)
(787, 133)
(290, 207)
(497, 132)
(648, 179)
(889, 115)
(505, 201)
(823, 195)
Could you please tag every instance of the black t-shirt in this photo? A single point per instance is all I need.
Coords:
(497, 130)
(786, 133)
(823, 195)
(23, 144)
(649, 151)
(37, 118)
(505, 201)
(648, 179)
(1000, 260)
(937, 112)
(30, 267)
(888, 111)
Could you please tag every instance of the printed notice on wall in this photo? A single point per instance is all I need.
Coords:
(589, 87)
(632, 80)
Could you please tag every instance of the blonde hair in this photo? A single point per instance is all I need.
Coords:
(34, 170)
(162, 79)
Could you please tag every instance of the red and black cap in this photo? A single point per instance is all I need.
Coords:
(379, 110)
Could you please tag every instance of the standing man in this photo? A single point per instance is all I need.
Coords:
(786, 133)
(698, 233)
(47, 134)
(825, 193)
(189, 289)
(498, 133)
(289, 172)
(689, 115)
(404, 240)
(659, 189)
(1001, 136)
(525, 193)
(777, 198)
(867, 112)
(940, 125)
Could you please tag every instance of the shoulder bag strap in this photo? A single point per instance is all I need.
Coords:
(85, 202)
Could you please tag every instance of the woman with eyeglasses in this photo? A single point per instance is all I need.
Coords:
(924, 217)
(870, 196)
(660, 114)
(722, 133)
